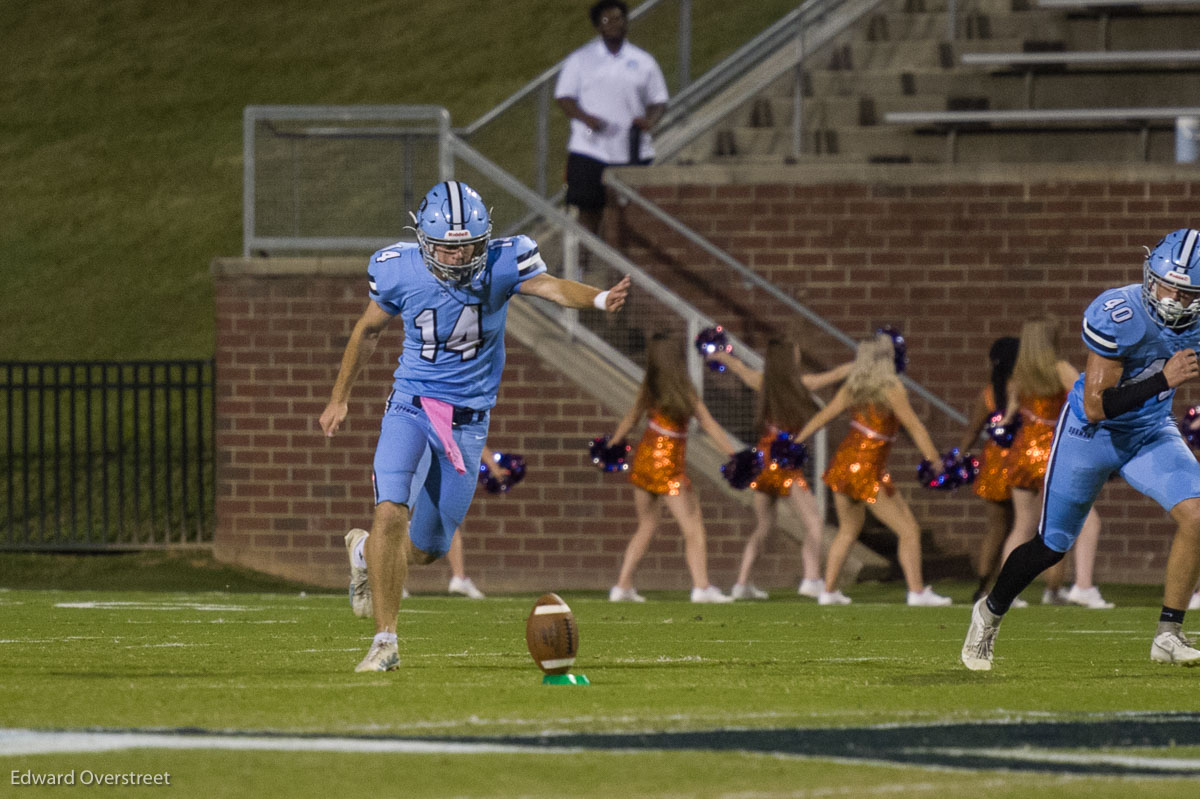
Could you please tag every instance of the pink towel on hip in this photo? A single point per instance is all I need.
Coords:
(441, 415)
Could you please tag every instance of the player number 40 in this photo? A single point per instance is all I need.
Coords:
(1118, 310)
(465, 338)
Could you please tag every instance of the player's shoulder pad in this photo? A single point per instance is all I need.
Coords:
(523, 251)
(1115, 321)
(383, 273)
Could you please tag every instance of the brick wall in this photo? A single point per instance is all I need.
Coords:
(955, 258)
(286, 495)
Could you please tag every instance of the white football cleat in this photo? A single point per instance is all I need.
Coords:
(928, 599)
(380, 657)
(811, 588)
(619, 594)
(1051, 596)
(748, 591)
(464, 586)
(360, 589)
(710, 596)
(832, 598)
(1171, 647)
(1194, 604)
(981, 638)
(1088, 597)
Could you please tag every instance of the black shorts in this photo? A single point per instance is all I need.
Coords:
(585, 189)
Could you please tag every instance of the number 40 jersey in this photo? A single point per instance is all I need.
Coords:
(1117, 325)
(453, 335)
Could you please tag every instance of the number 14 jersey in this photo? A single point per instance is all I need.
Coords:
(453, 335)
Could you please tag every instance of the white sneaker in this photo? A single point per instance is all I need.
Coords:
(1018, 603)
(1088, 597)
(710, 596)
(981, 638)
(360, 589)
(618, 594)
(832, 598)
(1052, 597)
(811, 588)
(748, 591)
(380, 657)
(928, 599)
(464, 586)
(1194, 604)
(1172, 647)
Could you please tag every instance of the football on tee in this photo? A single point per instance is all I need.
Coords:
(552, 635)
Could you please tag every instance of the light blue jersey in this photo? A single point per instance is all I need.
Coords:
(1117, 325)
(453, 336)
(454, 352)
(1143, 445)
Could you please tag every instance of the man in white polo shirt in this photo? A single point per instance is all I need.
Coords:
(614, 94)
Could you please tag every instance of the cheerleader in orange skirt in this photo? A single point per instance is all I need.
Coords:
(785, 404)
(1037, 391)
(992, 482)
(670, 402)
(878, 406)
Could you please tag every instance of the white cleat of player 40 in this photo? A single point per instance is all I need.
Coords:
(1172, 647)
(380, 657)
(981, 638)
(360, 589)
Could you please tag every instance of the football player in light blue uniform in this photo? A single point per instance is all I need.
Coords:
(1117, 420)
(451, 290)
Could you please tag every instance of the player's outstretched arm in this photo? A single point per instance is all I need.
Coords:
(358, 351)
(570, 294)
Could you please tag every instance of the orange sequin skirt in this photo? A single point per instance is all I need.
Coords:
(992, 482)
(857, 469)
(658, 463)
(1029, 455)
(778, 482)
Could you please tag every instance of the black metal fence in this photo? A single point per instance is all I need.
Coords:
(106, 455)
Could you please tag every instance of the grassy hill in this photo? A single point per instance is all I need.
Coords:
(121, 137)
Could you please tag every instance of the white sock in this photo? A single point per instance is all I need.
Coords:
(385, 638)
(360, 560)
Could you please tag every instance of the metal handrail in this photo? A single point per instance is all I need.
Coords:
(695, 319)
(754, 278)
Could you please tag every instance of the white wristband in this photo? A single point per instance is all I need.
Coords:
(601, 300)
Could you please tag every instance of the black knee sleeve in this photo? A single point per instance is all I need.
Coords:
(1022, 567)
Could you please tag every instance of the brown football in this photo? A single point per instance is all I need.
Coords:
(552, 635)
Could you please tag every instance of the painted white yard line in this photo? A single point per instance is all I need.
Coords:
(36, 742)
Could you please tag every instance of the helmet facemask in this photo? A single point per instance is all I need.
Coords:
(1169, 312)
(456, 274)
(1174, 263)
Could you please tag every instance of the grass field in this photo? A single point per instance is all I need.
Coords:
(121, 140)
(253, 694)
